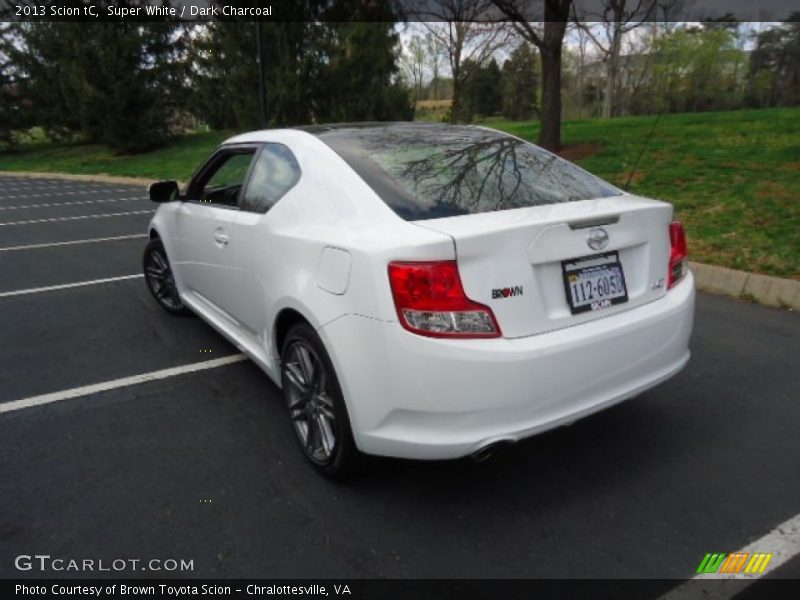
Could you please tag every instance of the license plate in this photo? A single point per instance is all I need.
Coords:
(594, 282)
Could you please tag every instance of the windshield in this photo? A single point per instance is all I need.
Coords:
(427, 171)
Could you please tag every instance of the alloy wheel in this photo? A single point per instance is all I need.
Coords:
(311, 406)
(161, 281)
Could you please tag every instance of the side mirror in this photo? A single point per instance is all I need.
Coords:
(164, 191)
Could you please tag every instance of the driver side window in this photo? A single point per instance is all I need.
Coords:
(224, 182)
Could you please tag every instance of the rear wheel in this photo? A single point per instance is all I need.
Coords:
(315, 402)
(160, 279)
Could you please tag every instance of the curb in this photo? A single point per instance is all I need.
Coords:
(70, 177)
(764, 289)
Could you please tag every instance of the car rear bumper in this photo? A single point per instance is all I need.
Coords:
(416, 397)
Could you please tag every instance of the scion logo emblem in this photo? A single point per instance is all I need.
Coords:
(597, 239)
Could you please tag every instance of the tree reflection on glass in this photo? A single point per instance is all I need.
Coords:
(440, 170)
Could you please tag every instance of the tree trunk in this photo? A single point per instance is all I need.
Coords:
(455, 67)
(608, 93)
(456, 103)
(550, 116)
(613, 68)
(556, 16)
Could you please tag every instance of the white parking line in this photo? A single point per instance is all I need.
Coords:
(783, 543)
(71, 242)
(28, 188)
(118, 383)
(53, 204)
(65, 193)
(65, 286)
(78, 217)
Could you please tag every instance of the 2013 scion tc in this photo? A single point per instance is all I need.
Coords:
(424, 290)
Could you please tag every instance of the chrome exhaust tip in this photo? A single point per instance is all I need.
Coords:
(485, 452)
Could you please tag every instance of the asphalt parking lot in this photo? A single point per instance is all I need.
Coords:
(203, 465)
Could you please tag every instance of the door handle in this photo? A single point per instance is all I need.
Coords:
(220, 238)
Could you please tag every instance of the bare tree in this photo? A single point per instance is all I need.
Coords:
(618, 17)
(413, 62)
(583, 43)
(436, 54)
(638, 70)
(668, 11)
(462, 28)
(548, 38)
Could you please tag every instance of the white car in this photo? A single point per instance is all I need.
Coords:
(421, 290)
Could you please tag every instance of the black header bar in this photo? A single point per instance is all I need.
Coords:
(198, 11)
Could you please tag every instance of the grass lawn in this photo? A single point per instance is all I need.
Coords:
(734, 177)
(178, 160)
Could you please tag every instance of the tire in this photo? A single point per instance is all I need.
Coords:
(160, 280)
(316, 406)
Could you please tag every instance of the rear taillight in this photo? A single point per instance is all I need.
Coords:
(431, 301)
(677, 253)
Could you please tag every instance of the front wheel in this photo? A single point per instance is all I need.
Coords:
(316, 406)
(160, 279)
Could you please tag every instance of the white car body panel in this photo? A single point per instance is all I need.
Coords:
(333, 271)
(442, 398)
(323, 252)
(525, 247)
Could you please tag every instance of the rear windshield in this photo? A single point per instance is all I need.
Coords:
(431, 171)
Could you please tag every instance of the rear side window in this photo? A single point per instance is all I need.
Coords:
(427, 172)
(275, 172)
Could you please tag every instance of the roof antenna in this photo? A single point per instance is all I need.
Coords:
(641, 153)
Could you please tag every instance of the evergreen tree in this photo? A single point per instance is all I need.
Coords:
(225, 69)
(520, 83)
(316, 71)
(481, 93)
(774, 76)
(12, 116)
(489, 89)
(125, 84)
(360, 79)
(114, 83)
